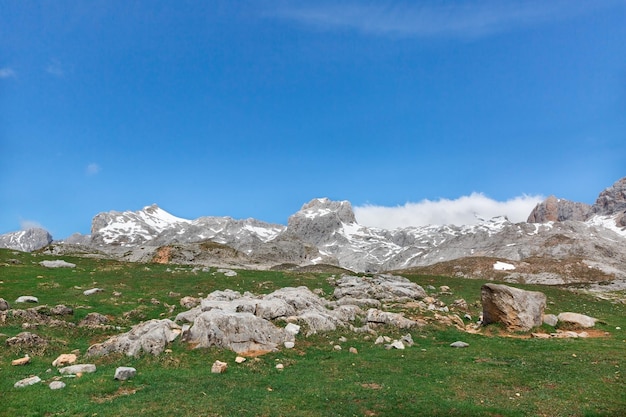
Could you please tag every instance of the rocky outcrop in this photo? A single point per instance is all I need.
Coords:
(558, 210)
(611, 201)
(151, 337)
(517, 309)
(26, 240)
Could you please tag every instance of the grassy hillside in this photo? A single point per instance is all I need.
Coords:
(496, 375)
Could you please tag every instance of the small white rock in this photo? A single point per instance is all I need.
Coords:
(459, 344)
(280, 366)
(27, 381)
(123, 373)
(289, 345)
(240, 359)
(57, 385)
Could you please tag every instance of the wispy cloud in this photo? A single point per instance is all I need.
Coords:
(461, 211)
(7, 72)
(55, 68)
(461, 19)
(30, 224)
(93, 169)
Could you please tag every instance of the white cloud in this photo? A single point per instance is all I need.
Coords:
(465, 19)
(462, 211)
(93, 169)
(7, 73)
(30, 224)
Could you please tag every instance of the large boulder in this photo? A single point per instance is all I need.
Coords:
(517, 309)
(241, 332)
(151, 336)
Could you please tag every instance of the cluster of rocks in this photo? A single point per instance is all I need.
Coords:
(248, 324)
(67, 367)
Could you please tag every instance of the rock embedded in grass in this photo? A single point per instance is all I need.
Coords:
(59, 263)
(92, 291)
(27, 299)
(123, 373)
(4, 305)
(577, 319)
(219, 367)
(32, 380)
(459, 344)
(550, 319)
(64, 359)
(26, 340)
(84, 368)
(55, 385)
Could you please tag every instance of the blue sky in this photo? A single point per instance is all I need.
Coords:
(253, 108)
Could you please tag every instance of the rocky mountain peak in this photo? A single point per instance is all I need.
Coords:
(554, 209)
(612, 200)
(320, 219)
(26, 240)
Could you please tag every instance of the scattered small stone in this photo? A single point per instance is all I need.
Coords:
(57, 385)
(353, 350)
(289, 345)
(459, 344)
(78, 369)
(27, 299)
(467, 317)
(396, 344)
(64, 359)
(92, 291)
(342, 339)
(173, 294)
(219, 367)
(280, 366)
(4, 305)
(21, 361)
(379, 340)
(337, 347)
(407, 339)
(116, 293)
(444, 289)
(240, 359)
(123, 373)
(27, 381)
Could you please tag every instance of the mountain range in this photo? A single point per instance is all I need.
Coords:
(562, 242)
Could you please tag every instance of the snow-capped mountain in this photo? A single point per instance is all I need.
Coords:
(26, 240)
(581, 239)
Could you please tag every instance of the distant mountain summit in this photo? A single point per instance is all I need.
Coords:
(562, 241)
(26, 240)
(610, 203)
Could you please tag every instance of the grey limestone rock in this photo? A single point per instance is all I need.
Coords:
(123, 373)
(151, 337)
(83, 368)
(4, 305)
(55, 385)
(59, 263)
(518, 310)
(32, 380)
(240, 332)
(577, 319)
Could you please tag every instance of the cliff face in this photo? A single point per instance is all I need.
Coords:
(612, 201)
(558, 210)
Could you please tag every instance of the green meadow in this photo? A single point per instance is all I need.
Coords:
(499, 374)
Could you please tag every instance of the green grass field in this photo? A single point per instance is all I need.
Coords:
(496, 375)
